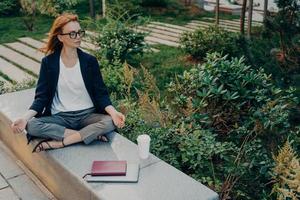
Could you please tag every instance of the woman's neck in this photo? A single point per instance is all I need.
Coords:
(69, 53)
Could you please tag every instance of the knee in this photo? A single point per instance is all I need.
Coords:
(33, 126)
(108, 122)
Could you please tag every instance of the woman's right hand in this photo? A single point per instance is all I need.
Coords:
(19, 125)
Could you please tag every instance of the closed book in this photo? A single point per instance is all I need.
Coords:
(109, 168)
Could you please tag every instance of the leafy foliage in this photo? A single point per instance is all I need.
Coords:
(286, 25)
(118, 41)
(214, 39)
(219, 123)
(287, 174)
(8, 7)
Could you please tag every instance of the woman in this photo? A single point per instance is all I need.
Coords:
(71, 101)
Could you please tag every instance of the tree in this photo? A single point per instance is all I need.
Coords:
(242, 19)
(103, 8)
(92, 8)
(217, 10)
(250, 11)
(265, 9)
(286, 26)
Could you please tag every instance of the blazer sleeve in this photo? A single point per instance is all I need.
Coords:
(41, 93)
(100, 91)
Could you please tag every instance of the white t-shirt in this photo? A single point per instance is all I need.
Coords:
(71, 93)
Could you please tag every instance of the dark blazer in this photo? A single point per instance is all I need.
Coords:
(48, 78)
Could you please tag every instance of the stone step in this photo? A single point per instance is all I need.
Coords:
(182, 28)
(161, 41)
(20, 60)
(205, 24)
(233, 21)
(89, 46)
(151, 43)
(164, 28)
(19, 179)
(32, 42)
(13, 72)
(237, 26)
(31, 52)
(61, 170)
(160, 36)
(154, 30)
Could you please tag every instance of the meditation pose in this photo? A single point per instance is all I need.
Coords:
(71, 101)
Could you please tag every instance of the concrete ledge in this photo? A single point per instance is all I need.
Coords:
(61, 170)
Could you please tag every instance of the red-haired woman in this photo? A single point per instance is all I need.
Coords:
(71, 101)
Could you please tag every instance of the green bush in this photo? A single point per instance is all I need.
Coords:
(8, 7)
(214, 39)
(243, 107)
(119, 42)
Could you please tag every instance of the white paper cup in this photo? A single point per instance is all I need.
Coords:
(143, 145)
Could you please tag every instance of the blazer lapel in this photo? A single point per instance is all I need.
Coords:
(54, 71)
(84, 70)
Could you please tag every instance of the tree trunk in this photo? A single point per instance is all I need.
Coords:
(242, 19)
(92, 9)
(217, 10)
(265, 9)
(103, 9)
(250, 10)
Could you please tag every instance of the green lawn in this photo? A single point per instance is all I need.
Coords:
(13, 27)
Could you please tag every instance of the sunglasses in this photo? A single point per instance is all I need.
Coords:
(74, 34)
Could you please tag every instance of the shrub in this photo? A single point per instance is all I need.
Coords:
(287, 173)
(119, 42)
(243, 107)
(214, 39)
(8, 7)
(26, 84)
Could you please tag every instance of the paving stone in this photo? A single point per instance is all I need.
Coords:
(8, 167)
(152, 43)
(29, 51)
(13, 71)
(172, 26)
(154, 30)
(19, 59)
(3, 182)
(224, 24)
(8, 194)
(164, 28)
(161, 36)
(26, 189)
(88, 45)
(161, 41)
(32, 42)
(207, 24)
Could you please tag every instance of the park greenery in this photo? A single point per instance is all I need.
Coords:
(223, 108)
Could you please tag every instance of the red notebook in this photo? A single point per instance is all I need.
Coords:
(109, 168)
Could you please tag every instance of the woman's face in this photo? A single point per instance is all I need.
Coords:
(70, 30)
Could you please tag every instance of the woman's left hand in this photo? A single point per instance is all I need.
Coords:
(118, 119)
